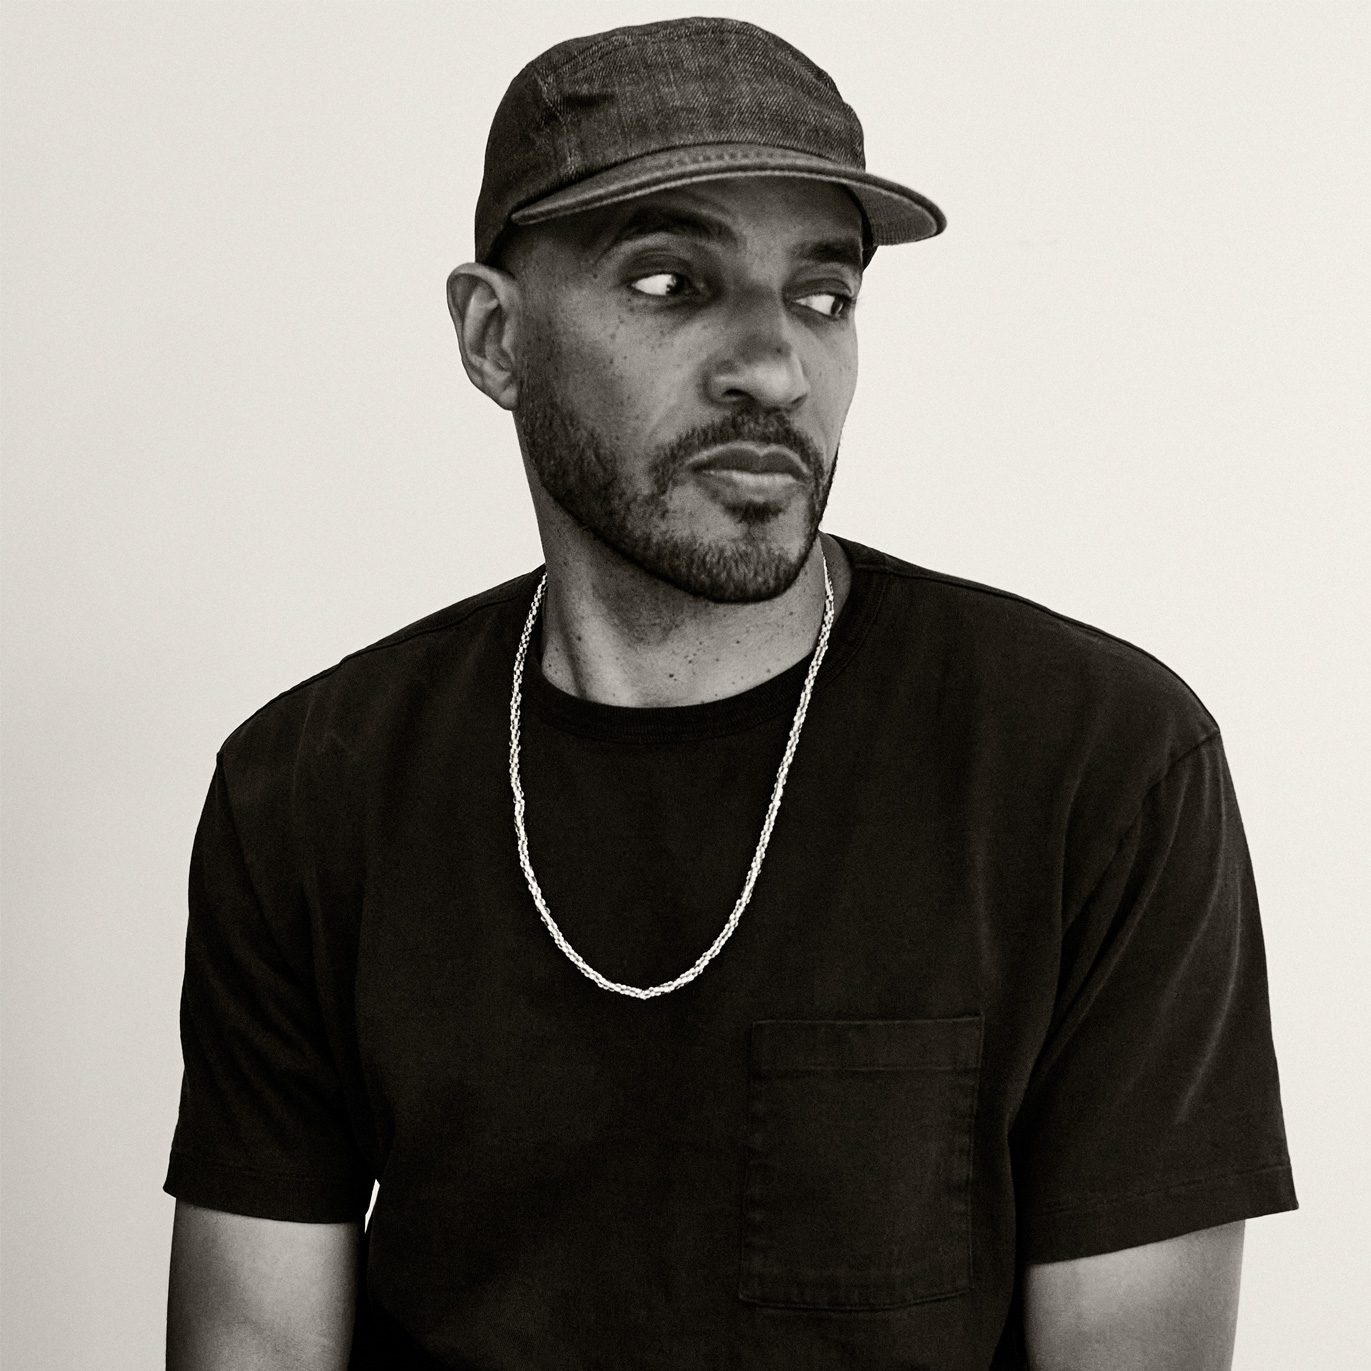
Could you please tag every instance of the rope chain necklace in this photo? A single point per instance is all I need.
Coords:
(515, 708)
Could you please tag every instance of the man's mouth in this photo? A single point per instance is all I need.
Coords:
(767, 464)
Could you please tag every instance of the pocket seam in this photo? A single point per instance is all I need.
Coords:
(905, 1044)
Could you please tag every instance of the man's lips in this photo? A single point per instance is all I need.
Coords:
(754, 459)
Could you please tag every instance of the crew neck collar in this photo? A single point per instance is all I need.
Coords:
(678, 723)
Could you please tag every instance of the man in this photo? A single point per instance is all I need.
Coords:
(734, 947)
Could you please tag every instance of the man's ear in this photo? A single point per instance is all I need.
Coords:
(484, 303)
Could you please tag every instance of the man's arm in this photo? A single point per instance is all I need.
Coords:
(259, 1294)
(1167, 1306)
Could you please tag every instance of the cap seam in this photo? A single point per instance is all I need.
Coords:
(619, 38)
(556, 135)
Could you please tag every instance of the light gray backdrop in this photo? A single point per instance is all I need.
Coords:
(1128, 382)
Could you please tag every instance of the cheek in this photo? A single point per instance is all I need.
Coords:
(576, 366)
(834, 384)
(627, 385)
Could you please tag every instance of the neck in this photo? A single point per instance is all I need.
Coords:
(613, 634)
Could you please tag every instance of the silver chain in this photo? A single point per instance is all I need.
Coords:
(640, 992)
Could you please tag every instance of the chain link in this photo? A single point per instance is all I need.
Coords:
(515, 710)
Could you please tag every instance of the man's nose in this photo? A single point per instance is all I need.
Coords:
(758, 362)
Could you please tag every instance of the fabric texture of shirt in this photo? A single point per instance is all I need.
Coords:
(999, 997)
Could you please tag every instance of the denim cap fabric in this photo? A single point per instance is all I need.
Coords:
(615, 115)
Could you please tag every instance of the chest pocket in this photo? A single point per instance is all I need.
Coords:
(859, 1145)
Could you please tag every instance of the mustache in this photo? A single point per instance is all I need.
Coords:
(768, 428)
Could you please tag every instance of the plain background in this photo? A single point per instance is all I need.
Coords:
(1129, 382)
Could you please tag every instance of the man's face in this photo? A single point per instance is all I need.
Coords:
(686, 361)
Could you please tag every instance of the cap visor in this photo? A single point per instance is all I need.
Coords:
(896, 213)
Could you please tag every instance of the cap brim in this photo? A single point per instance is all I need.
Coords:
(895, 213)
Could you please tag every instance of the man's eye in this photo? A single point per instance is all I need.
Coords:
(661, 283)
(831, 304)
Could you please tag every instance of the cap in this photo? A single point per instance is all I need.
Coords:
(612, 116)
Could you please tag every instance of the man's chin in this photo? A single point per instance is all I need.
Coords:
(745, 569)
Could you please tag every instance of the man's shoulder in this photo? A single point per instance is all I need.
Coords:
(468, 620)
(381, 678)
(1002, 651)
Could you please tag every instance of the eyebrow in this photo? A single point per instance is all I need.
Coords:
(649, 221)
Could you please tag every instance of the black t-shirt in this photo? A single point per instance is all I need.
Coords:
(999, 996)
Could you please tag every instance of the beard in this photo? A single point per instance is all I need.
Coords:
(586, 475)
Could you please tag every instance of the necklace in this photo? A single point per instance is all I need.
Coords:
(516, 696)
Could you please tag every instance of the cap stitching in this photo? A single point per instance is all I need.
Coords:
(901, 196)
(622, 38)
(568, 163)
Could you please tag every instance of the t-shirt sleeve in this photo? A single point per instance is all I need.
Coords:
(263, 1127)
(1154, 1107)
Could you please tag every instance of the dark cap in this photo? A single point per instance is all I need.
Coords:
(616, 115)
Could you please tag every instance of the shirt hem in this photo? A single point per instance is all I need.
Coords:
(1157, 1215)
(261, 1195)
